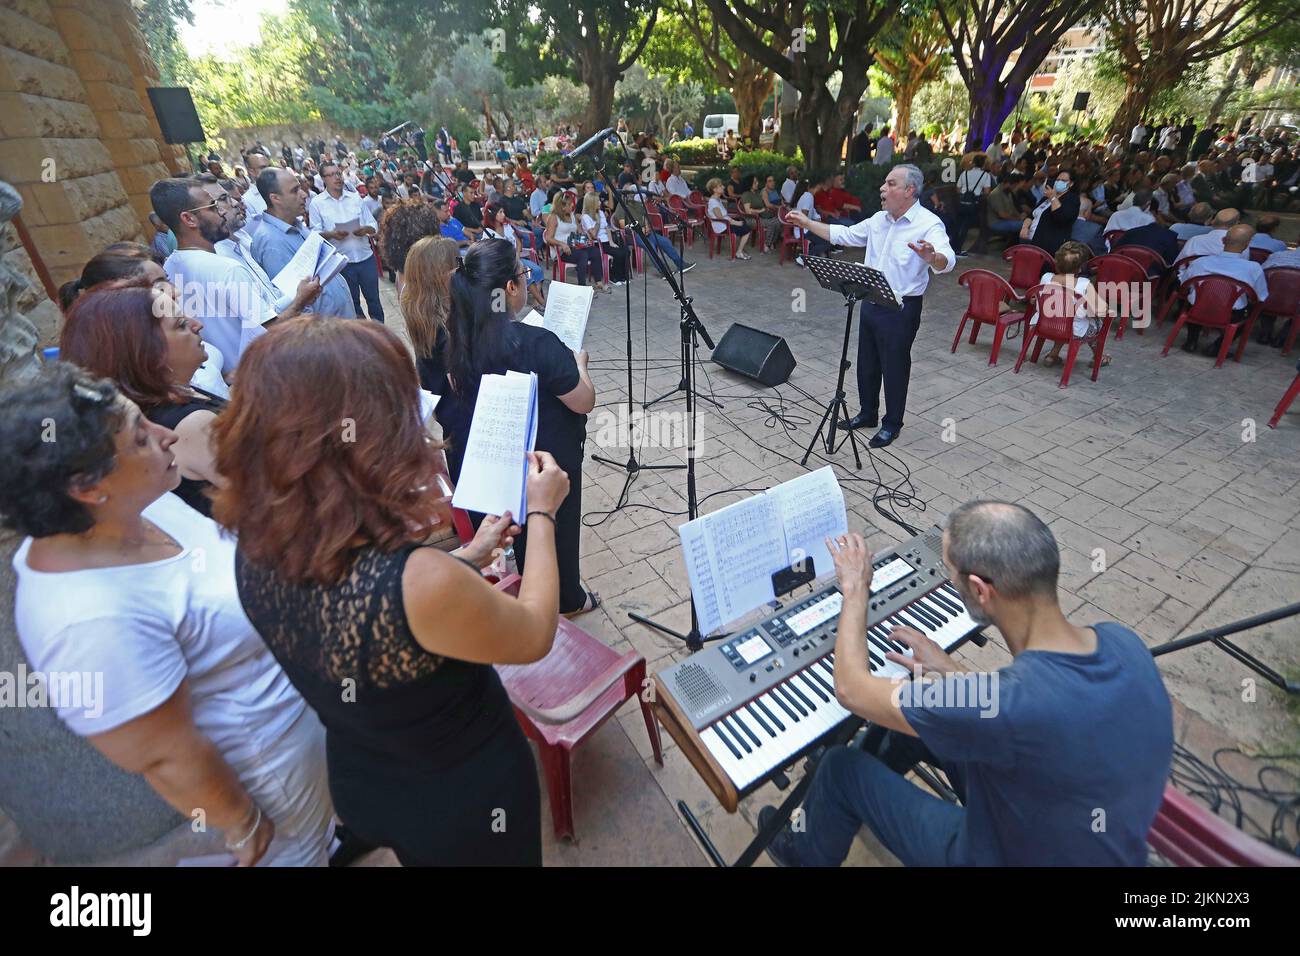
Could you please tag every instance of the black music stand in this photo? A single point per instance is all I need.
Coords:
(855, 282)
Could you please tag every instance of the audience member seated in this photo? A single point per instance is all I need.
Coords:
(1085, 230)
(1005, 218)
(1071, 257)
(482, 339)
(1211, 242)
(595, 223)
(1198, 222)
(805, 202)
(119, 578)
(1053, 218)
(1153, 235)
(497, 226)
(1264, 238)
(1137, 214)
(836, 204)
(422, 740)
(720, 219)
(564, 234)
(1232, 261)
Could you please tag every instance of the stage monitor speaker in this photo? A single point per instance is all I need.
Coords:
(755, 354)
(1081, 100)
(177, 118)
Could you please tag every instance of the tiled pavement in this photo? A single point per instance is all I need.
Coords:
(1170, 515)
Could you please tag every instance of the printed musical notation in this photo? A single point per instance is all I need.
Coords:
(493, 477)
(731, 554)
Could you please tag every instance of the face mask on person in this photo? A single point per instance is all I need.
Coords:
(1061, 186)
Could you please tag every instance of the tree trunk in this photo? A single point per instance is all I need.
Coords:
(823, 126)
(789, 106)
(990, 105)
(600, 78)
(904, 94)
(751, 88)
(1229, 85)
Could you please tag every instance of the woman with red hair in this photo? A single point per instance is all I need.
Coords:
(137, 335)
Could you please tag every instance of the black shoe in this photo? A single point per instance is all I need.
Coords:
(1189, 345)
(688, 267)
(781, 850)
(883, 438)
(860, 420)
(1213, 348)
(351, 847)
(962, 254)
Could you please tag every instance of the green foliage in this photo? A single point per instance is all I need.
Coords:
(584, 168)
(941, 105)
(662, 99)
(159, 21)
(693, 152)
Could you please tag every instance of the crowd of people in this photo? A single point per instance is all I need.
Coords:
(204, 410)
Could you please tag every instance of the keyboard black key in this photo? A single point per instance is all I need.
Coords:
(740, 721)
(726, 739)
(776, 722)
(737, 735)
(944, 601)
(883, 638)
(879, 641)
(780, 702)
(751, 711)
(820, 681)
(813, 687)
(794, 689)
(919, 612)
(871, 656)
(935, 609)
(916, 621)
(792, 700)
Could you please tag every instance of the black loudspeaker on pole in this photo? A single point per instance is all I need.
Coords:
(1081, 100)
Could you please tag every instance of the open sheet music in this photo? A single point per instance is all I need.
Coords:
(732, 553)
(493, 477)
(315, 257)
(567, 309)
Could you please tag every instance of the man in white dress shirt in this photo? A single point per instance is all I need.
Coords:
(222, 293)
(790, 185)
(1137, 214)
(335, 207)
(1209, 243)
(254, 206)
(906, 242)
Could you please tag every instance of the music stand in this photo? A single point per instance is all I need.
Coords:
(855, 282)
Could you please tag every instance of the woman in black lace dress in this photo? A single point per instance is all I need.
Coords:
(331, 493)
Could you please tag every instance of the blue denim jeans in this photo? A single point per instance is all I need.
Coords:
(363, 277)
(665, 247)
(853, 788)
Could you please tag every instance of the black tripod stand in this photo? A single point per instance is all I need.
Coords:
(855, 282)
(631, 467)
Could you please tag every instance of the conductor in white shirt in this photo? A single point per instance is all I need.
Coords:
(906, 242)
(334, 207)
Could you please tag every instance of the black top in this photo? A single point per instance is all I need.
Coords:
(469, 215)
(192, 491)
(516, 207)
(560, 431)
(1055, 225)
(349, 650)
(464, 175)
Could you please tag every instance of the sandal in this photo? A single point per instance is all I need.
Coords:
(1105, 360)
(1051, 361)
(592, 602)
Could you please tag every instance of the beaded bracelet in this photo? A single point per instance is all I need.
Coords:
(548, 517)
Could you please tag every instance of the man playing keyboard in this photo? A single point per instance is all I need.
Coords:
(1064, 763)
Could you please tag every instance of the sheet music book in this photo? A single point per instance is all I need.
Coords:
(567, 309)
(732, 553)
(493, 477)
(314, 257)
(428, 404)
(533, 317)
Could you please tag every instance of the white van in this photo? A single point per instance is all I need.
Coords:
(717, 124)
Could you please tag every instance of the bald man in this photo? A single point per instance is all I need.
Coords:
(1212, 241)
(1234, 262)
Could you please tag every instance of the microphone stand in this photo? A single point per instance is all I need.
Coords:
(631, 467)
(691, 327)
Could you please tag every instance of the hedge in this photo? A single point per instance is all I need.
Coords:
(693, 152)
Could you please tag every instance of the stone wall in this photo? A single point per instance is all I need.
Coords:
(78, 137)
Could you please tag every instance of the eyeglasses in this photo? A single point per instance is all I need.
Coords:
(225, 200)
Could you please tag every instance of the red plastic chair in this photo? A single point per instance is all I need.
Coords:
(560, 268)
(715, 238)
(687, 216)
(565, 697)
(788, 238)
(1152, 261)
(1188, 834)
(1283, 300)
(1028, 263)
(1213, 310)
(668, 230)
(1056, 306)
(988, 291)
(1127, 278)
(1257, 254)
(1287, 399)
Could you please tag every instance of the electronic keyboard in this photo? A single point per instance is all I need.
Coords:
(743, 709)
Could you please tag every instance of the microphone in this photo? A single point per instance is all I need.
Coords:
(591, 144)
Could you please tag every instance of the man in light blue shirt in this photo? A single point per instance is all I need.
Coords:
(1283, 259)
(1264, 238)
(164, 243)
(282, 233)
(1234, 263)
(1198, 222)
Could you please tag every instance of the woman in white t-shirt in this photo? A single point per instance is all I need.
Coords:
(497, 226)
(596, 224)
(720, 218)
(122, 583)
(1089, 309)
